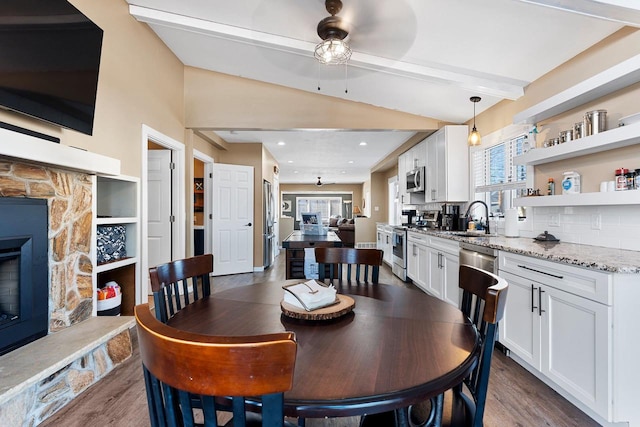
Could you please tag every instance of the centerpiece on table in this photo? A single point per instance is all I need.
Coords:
(312, 300)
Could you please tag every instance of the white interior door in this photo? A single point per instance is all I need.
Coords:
(232, 219)
(159, 202)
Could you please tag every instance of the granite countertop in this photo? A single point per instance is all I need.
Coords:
(593, 257)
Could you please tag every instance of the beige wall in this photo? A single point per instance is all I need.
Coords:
(220, 101)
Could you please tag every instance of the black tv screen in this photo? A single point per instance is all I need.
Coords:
(49, 62)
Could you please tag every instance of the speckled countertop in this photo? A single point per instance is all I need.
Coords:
(593, 257)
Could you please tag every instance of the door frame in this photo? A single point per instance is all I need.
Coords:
(178, 237)
(208, 199)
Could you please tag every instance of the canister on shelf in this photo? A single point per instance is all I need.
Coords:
(578, 130)
(571, 183)
(637, 179)
(566, 136)
(551, 187)
(631, 179)
(621, 179)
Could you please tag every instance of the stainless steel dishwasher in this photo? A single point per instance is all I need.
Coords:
(479, 256)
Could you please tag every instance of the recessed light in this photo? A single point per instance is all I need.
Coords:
(289, 161)
(344, 171)
(363, 143)
(281, 143)
(295, 171)
(350, 161)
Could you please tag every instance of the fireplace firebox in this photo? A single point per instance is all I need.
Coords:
(24, 282)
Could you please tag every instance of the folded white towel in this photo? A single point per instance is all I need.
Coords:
(310, 295)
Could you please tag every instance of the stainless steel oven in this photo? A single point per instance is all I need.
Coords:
(399, 241)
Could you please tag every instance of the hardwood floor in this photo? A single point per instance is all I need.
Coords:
(515, 398)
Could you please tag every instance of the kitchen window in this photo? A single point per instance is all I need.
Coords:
(496, 179)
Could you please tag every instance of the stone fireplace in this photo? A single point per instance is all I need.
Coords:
(78, 348)
(68, 196)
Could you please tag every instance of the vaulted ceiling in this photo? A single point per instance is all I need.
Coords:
(424, 57)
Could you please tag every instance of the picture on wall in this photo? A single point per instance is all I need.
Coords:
(286, 206)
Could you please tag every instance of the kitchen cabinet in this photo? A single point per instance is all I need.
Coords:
(444, 265)
(558, 321)
(117, 204)
(418, 259)
(411, 159)
(384, 242)
(433, 264)
(388, 245)
(448, 165)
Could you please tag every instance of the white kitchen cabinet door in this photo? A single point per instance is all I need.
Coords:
(576, 346)
(448, 165)
(450, 273)
(412, 261)
(520, 327)
(434, 278)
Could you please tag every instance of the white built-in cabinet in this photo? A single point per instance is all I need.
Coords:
(433, 264)
(558, 320)
(116, 200)
(448, 165)
(384, 242)
(417, 259)
(444, 266)
(411, 159)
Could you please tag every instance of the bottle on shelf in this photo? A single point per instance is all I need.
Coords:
(551, 187)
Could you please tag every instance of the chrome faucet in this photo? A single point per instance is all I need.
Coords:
(486, 208)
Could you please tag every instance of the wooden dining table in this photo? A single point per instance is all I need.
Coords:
(397, 347)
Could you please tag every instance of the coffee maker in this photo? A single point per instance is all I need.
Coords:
(450, 216)
(407, 217)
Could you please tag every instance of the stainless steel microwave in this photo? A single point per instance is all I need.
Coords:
(416, 180)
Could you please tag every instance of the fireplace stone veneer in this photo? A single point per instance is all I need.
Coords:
(68, 196)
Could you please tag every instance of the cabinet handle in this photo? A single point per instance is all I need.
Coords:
(541, 272)
(540, 310)
(433, 194)
(533, 307)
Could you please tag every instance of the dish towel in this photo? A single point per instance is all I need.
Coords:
(310, 264)
(310, 295)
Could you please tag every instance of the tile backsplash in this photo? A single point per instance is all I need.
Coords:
(608, 226)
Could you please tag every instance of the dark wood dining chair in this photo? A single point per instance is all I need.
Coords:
(172, 282)
(484, 297)
(178, 365)
(335, 260)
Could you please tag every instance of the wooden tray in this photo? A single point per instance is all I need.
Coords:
(344, 306)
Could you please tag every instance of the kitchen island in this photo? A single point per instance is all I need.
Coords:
(295, 245)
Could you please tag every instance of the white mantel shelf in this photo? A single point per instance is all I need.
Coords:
(26, 147)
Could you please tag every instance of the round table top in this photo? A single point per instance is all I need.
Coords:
(399, 346)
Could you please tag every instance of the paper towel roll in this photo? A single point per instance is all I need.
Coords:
(511, 223)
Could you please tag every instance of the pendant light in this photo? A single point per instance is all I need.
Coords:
(474, 136)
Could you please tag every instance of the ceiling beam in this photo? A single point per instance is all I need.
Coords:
(624, 11)
(480, 83)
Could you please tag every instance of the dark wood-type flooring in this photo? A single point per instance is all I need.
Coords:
(516, 398)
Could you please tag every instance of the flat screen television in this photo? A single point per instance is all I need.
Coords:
(49, 62)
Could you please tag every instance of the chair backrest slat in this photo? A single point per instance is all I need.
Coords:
(483, 301)
(336, 259)
(170, 284)
(210, 366)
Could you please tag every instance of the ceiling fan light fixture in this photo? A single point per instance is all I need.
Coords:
(474, 137)
(332, 50)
